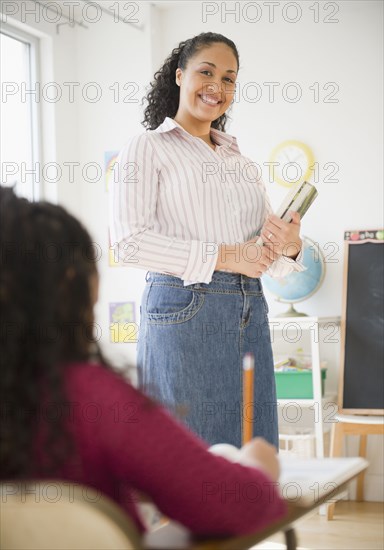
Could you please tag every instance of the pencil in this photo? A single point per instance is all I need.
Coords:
(248, 377)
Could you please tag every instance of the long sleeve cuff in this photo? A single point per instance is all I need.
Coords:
(283, 266)
(201, 263)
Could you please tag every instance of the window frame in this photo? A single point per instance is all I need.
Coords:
(33, 42)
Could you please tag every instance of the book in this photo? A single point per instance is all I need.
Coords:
(299, 199)
(303, 481)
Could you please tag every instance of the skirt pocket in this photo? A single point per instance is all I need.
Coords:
(172, 304)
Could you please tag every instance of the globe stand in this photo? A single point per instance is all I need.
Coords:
(291, 312)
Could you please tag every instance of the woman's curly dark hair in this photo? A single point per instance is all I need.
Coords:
(47, 264)
(163, 97)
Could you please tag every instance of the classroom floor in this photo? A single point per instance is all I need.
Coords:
(356, 526)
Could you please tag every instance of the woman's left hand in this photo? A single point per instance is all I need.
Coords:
(282, 236)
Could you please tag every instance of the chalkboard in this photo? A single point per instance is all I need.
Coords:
(362, 327)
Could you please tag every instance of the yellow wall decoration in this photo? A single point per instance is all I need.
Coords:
(122, 325)
(291, 161)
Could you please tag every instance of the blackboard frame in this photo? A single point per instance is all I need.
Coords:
(353, 238)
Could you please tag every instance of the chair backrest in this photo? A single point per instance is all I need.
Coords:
(53, 515)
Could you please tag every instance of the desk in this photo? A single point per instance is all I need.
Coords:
(174, 536)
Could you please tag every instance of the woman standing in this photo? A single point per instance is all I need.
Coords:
(188, 207)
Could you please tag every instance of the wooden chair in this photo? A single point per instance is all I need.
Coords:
(53, 515)
(353, 425)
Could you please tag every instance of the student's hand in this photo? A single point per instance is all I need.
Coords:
(260, 454)
(283, 236)
(247, 258)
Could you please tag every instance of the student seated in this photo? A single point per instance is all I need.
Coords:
(67, 415)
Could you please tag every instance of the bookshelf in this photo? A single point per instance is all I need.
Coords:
(313, 332)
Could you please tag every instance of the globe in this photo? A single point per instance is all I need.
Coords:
(299, 285)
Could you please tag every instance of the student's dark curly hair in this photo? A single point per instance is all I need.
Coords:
(163, 97)
(47, 263)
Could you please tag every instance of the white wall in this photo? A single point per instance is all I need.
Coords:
(110, 53)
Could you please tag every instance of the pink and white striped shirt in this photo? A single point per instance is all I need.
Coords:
(174, 200)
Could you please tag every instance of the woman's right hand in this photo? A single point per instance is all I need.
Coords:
(260, 454)
(247, 258)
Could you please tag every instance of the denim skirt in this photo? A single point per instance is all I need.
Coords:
(192, 342)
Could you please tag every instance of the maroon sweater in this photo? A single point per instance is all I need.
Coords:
(125, 442)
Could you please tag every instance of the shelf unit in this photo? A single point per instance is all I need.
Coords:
(311, 324)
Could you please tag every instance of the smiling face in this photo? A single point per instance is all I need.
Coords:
(207, 84)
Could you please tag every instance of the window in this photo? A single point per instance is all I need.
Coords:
(19, 128)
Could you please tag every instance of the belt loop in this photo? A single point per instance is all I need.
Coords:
(147, 275)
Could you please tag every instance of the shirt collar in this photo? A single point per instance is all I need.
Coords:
(219, 137)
